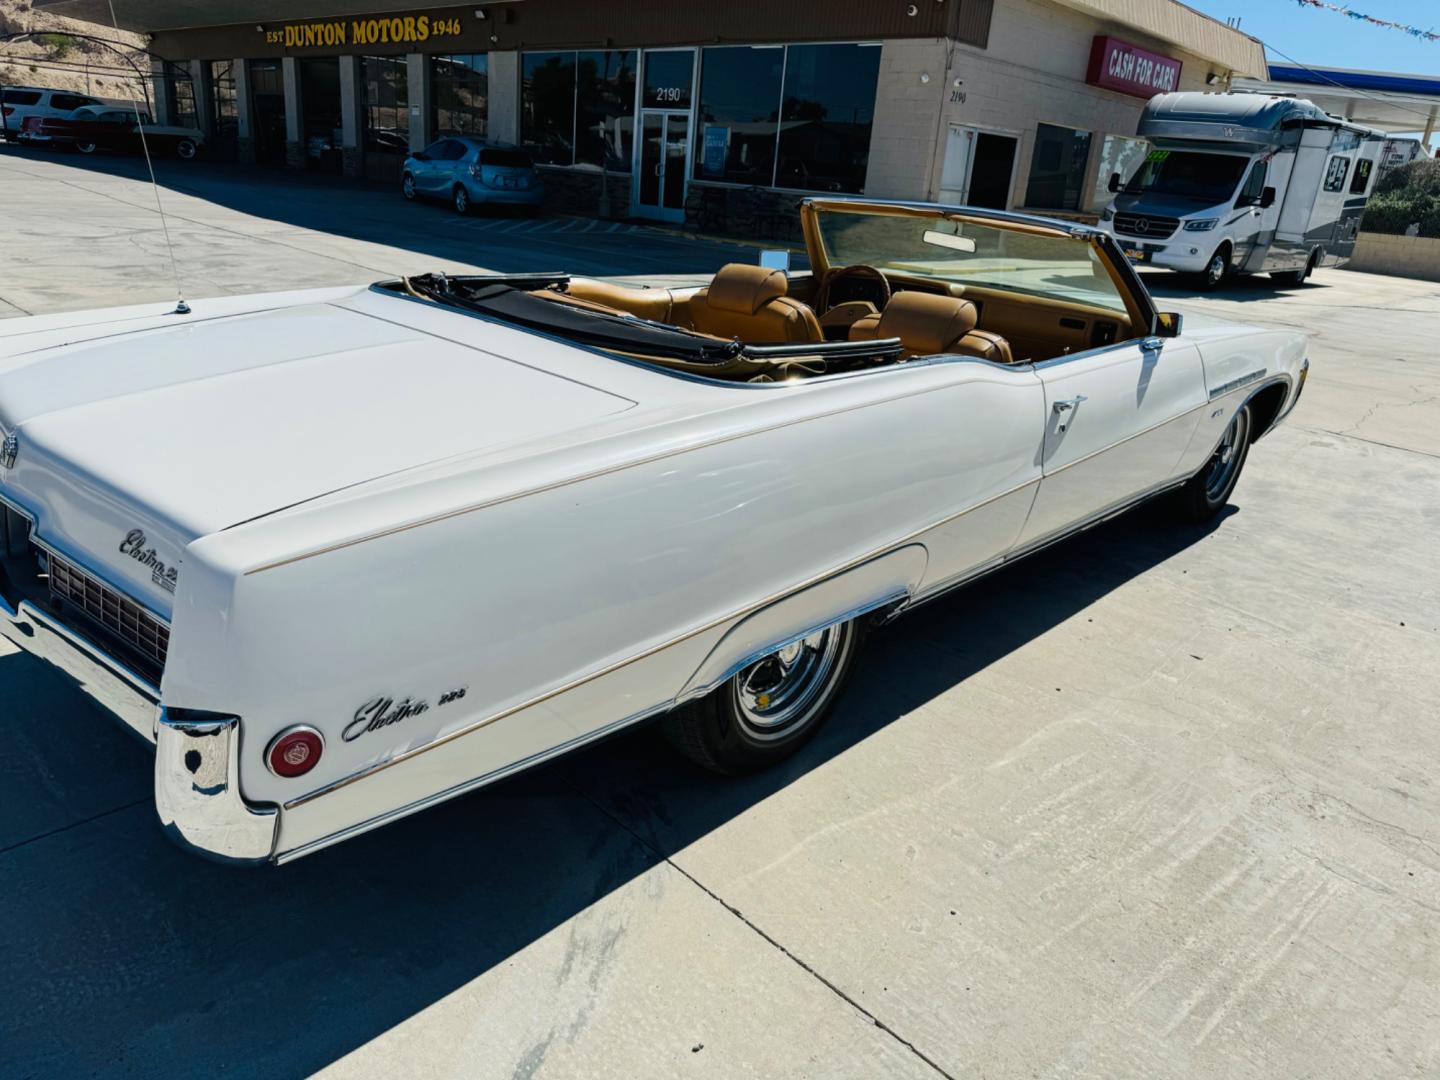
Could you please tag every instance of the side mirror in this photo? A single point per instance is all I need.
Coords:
(1267, 198)
(1114, 184)
(775, 260)
(1169, 323)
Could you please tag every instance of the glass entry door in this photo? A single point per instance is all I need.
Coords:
(664, 164)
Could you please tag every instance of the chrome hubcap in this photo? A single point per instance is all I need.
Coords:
(1227, 457)
(781, 689)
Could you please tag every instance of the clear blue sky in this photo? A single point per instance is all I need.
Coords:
(1315, 36)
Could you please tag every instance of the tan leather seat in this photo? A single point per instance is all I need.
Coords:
(927, 325)
(749, 303)
(654, 304)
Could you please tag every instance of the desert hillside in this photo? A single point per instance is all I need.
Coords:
(61, 60)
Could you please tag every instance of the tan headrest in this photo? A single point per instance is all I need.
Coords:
(924, 323)
(745, 289)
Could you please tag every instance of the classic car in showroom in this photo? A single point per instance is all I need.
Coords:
(344, 553)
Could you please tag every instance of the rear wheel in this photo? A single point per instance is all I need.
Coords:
(771, 708)
(1209, 490)
(86, 147)
(186, 149)
(407, 186)
(460, 199)
(1298, 277)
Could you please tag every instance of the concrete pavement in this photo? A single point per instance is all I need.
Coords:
(1159, 802)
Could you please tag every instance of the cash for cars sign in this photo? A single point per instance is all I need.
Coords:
(1119, 65)
(394, 30)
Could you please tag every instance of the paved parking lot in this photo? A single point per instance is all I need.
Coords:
(1160, 802)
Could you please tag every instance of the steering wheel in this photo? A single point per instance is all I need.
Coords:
(859, 272)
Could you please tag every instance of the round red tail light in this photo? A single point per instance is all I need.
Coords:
(295, 751)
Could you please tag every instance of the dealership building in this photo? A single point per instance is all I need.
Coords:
(716, 114)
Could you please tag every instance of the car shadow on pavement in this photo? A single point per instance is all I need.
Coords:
(1167, 283)
(121, 954)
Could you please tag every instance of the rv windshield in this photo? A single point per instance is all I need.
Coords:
(1209, 178)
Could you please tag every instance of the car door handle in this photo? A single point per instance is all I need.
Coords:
(1065, 409)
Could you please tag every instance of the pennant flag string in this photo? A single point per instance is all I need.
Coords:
(1413, 31)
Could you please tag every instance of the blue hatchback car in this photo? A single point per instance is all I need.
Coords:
(472, 172)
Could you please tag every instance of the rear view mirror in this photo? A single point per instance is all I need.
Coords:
(1114, 184)
(1267, 198)
(949, 240)
(1169, 323)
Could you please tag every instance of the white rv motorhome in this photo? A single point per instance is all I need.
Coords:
(1244, 184)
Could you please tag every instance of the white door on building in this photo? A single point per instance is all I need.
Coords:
(955, 173)
(979, 168)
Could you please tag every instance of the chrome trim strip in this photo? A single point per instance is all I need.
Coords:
(897, 597)
(1129, 438)
(283, 857)
(197, 792)
(1069, 531)
(596, 474)
(1236, 384)
(713, 624)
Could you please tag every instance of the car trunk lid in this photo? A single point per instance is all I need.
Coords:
(130, 447)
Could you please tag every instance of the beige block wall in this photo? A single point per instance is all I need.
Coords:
(1399, 256)
(907, 115)
(1032, 72)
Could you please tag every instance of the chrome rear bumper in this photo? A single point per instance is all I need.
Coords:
(197, 755)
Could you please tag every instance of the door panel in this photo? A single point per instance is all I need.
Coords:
(652, 130)
(1130, 417)
(955, 173)
(677, 147)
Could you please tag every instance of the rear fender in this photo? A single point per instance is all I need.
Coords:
(881, 582)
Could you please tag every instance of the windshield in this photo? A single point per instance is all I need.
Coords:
(1207, 178)
(967, 252)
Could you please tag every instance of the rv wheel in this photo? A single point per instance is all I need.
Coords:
(1298, 277)
(1217, 269)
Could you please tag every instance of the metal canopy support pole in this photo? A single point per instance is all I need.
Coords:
(417, 74)
(164, 96)
(244, 114)
(204, 92)
(294, 114)
(350, 116)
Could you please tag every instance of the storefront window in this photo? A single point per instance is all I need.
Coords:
(224, 115)
(739, 114)
(459, 87)
(605, 109)
(386, 87)
(829, 103)
(668, 78)
(579, 108)
(547, 106)
(183, 90)
(1057, 168)
(797, 117)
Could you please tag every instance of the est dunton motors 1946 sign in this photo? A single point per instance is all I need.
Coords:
(382, 30)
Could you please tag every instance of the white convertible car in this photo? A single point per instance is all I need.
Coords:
(342, 554)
